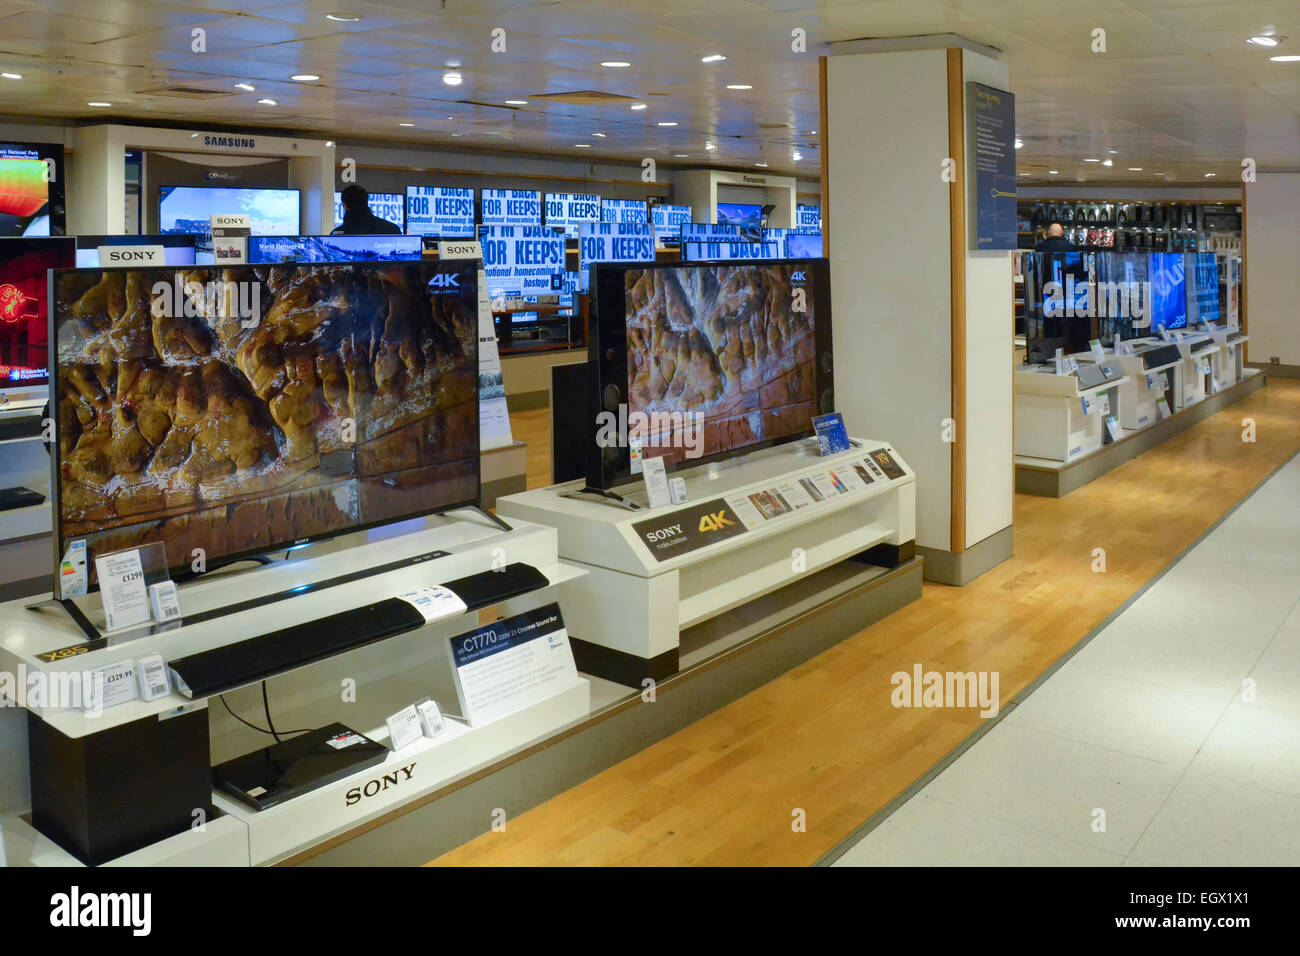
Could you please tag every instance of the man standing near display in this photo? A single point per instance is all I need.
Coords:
(358, 220)
(1055, 241)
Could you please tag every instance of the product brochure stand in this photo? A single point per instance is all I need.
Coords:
(1199, 351)
(749, 526)
(1059, 420)
(1228, 364)
(129, 782)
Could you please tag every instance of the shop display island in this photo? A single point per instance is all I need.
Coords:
(133, 783)
(750, 527)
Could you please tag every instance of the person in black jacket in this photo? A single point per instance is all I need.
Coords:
(358, 220)
(1056, 241)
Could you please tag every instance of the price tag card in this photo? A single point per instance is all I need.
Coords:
(113, 685)
(655, 474)
(1113, 427)
(832, 437)
(1162, 408)
(404, 727)
(151, 674)
(431, 722)
(1098, 353)
(121, 583)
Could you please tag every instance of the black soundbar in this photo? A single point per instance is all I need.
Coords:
(221, 669)
(1161, 355)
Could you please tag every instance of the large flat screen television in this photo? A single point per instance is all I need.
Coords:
(443, 211)
(187, 209)
(333, 397)
(803, 245)
(1168, 291)
(1122, 306)
(742, 214)
(270, 249)
(1058, 308)
(716, 359)
(31, 189)
(178, 249)
(388, 206)
(24, 307)
(1201, 272)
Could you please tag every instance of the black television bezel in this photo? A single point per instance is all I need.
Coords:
(57, 196)
(607, 357)
(69, 243)
(469, 267)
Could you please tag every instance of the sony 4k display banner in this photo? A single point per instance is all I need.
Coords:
(689, 529)
(991, 159)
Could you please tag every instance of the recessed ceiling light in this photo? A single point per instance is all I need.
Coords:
(1113, 152)
(516, 102)
(599, 135)
(12, 76)
(1053, 172)
(1267, 40)
(1092, 160)
(796, 156)
(304, 77)
(343, 16)
(615, 64)
(1019, 143)
(1210, 175)
(668, 124)
(267, 101)
(637, 106)
(710, 145)
(812, 132)
(245, 86)
(582, 146)
(763, 165)
(1285, 58)
(452, 78)
(405, 124)
(1135, 169)
(739, 86)
(1022, 174)
(679, 155)
(329, 144)
(97, 103)
(1108, 162)
(712, 58)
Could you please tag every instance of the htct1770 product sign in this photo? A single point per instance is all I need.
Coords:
(440, 211)
(991, 126)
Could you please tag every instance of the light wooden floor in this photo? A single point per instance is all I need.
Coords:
(824, 737)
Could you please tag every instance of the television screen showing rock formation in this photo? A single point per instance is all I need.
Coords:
(242, 409)
(731, 349)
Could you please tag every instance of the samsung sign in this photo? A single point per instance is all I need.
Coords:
(613, 242)
(230, 142)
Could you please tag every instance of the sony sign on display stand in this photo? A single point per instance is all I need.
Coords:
(230, 239)
(493, 415)
(131, 256)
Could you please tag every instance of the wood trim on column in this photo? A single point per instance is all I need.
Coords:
(824, 128)
(1243, 322)
(957, 256)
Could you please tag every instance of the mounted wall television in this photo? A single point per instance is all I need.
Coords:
(178, 249)
(1201, 273)
(714, 345)
(1121, 284)
(32, 189)
(187, 209)
(716, 250)
(271, 249)
(1168, 291)
(239, 440)
(803, 245)
(387, 206)
(24, 307)
(443, 211)
(742, 214)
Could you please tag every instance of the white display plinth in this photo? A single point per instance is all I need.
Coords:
(1051, 422)
(626, 615)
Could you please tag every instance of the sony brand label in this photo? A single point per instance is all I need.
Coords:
(131, 256)
(378, 785)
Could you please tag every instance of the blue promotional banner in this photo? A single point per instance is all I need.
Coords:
(511, 207)
(522, 260)
(623, 210)
(668, 220)
(777, 235)
(706, 231)
(719, 250)
(613, 242)
(570, 210)
(808, 218)
(440, 211)
(991, 126)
